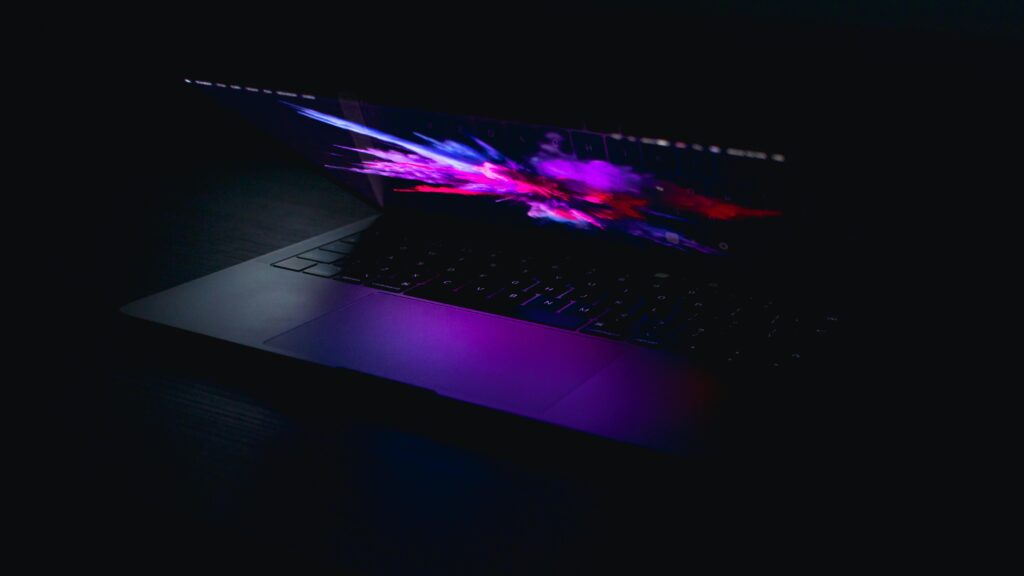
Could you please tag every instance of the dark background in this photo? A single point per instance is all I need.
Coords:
(171, 448)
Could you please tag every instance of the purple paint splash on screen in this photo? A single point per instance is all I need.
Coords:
(551, 185)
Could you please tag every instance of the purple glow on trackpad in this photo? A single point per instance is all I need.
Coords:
(480, 358)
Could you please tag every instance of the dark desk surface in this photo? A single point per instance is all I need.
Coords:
(184, 449)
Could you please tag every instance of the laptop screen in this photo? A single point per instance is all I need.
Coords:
(697, 197)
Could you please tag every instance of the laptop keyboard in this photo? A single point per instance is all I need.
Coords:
(648, 307)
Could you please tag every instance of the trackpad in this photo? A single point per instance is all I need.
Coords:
(477, 357)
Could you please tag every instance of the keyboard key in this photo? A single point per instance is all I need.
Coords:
(552, 290)
(549, 311)
(422, 265)
(786, 361)
(588, 146)
(322, 256)
(324, 270)
(606, 329)
(456, 271)
(355, 270)
(623, 152)
(547, 304)
(339, 246)
(583, 296)
(697, 339)
(654, 310)
(648, 338)
(518, 139)
(583, 309)
(651, 331)
(489, 132)
(440, 290)
(825, 326)
(504, 302)
(421, 277)
(353, 277)
(509, 299)
(735, 356)
(392, 285)
(479, 290)
(556, 141)
(664, 161)
(521, 284)
(296, 264)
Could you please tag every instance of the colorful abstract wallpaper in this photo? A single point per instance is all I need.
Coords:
(549, 184)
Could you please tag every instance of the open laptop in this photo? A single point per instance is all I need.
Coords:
(605, 282)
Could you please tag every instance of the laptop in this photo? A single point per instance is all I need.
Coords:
(605, 282)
